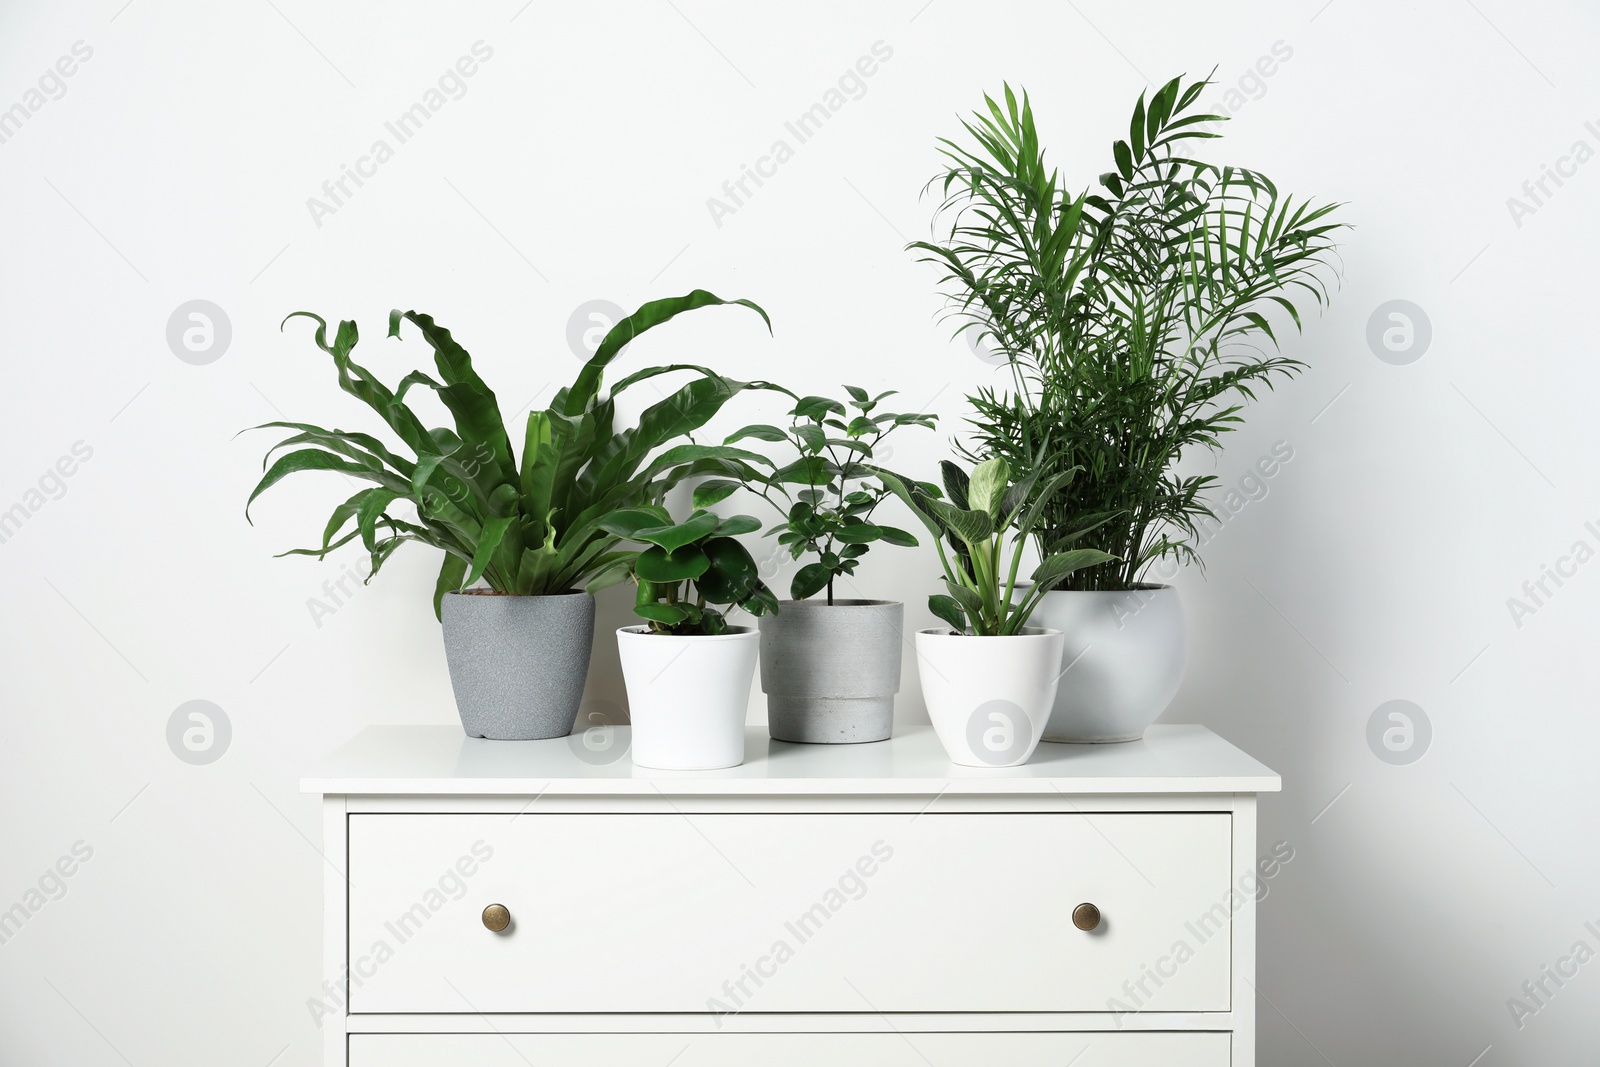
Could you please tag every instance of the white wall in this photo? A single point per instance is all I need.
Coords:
(577, 166)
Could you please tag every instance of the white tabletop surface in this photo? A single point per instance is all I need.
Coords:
(442, 760)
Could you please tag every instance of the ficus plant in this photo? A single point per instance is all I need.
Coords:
(529, 527)
(690, 571)
(828, 493)
(987, 521)
(1137, 318)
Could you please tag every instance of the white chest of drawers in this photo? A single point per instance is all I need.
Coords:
(861, 904)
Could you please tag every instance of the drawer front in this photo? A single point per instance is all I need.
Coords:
(791, 1050)
(789, 913)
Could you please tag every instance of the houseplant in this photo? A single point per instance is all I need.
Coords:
(518, 650)
(688, 672)
(830, 666)
(989, 678)
(1136, 321)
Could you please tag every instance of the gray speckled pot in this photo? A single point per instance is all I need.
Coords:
(518, 663)
(831, 672)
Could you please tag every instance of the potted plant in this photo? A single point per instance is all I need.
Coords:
(688, 672)
(830, 666)
(533, 531)
(989, 678)
(1134, 321)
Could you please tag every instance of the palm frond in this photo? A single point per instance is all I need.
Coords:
(1138, 318)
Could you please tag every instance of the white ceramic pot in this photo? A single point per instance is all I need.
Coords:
(1122, 661)
(989, 697)
(687, 696)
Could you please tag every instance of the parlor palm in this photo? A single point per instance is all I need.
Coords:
(1137, 319)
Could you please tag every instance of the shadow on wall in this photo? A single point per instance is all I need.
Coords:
(605, 701)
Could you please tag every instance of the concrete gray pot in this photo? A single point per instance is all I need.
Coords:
(831, 672)
(518, 663)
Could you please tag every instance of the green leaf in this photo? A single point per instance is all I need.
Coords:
(306, 459)
(817, 408)
(713, 491)
(762, 602)
(896, 485)
(1042, 499)
(988, 486)
(759, 431)
(613, 572)
(685, 456)
(1064, 540)
(1136, 129)
(665, 614)
(627, 522)
(494, 531)
(979, 614)
(451, 577)
(732, 575)
(470, 400)
(656, 564)
(807, 470)
(857, 533)
(809, 581)
(972, 527)
(894, 536)
(364, 386)
(948, 609)
(811, 436)
(734, 525)
(364, 448)
(648, 316)
(674, 536)
(956, 483)
(1056, 567)
(540, 455)
(373, 503)
(1124, 159)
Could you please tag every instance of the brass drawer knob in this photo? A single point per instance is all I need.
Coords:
(496, 917)
(1085, 917)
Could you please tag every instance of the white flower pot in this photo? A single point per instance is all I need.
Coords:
(1122, 660)
(687, 696)
(989, 697)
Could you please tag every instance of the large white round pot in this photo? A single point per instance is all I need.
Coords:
(989, 697)
(687, 696)
(1122, 661)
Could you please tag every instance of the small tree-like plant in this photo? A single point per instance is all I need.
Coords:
(829, 517)
(1136, 318)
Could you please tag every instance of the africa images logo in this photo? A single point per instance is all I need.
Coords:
(999, 732)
